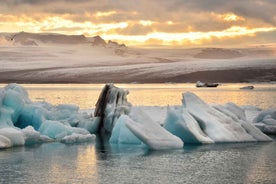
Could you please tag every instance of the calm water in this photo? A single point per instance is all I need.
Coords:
(99, 162)
(86, 95)
(94, 163)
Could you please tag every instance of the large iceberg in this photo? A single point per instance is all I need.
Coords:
(24, 122)
(221, 125)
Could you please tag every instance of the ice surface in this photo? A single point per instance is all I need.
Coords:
(180, 123)
(14, 135)
(121, 134)
(151, 133)
(57, 130)
(266, 121)
(78, 138)
(251, 112)
(219, 126)
(5, 142)
(32, 136)
(236, 113)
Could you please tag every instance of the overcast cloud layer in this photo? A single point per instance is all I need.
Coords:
(173, 22)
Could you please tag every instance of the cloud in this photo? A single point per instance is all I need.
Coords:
(134, 19)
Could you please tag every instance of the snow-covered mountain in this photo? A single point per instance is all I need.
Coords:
(37, 58)
(36, 39)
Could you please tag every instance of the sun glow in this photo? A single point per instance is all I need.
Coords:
(145, 22)
(191, 37)
(115, 30)
(228, 17)
(105, 14)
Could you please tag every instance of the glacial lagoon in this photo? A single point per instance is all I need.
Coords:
(100, 162)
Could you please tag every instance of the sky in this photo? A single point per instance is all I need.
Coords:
(187, 23)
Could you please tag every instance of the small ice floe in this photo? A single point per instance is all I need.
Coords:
(202, 84)
(247, 87)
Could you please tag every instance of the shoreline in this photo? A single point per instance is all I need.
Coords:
(240, 75)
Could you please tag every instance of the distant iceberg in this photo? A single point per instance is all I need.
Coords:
(24, 122)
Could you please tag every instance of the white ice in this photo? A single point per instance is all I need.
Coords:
(151, 133)
(219, 125)
(180, 123)
(266, 121)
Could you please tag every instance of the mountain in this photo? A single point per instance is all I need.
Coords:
(24, 38)
(35, 39)
(218, 53)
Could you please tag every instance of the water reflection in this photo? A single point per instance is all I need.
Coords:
(263, 168)
(95, 163)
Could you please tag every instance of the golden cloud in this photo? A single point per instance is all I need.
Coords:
(137, 32)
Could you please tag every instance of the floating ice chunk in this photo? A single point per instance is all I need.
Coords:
(248, 127)
(15, 136)
(5, 142)
(269, 113)
(33, 118)
(78, 138)
(180, 123)
(151, 133)
(57, 130)
(266, 121)
(33, 137)
(218, 126)
(121, 134)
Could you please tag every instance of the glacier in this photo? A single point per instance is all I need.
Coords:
(24, 122)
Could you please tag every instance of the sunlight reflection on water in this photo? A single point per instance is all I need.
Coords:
(159, 94)
(86, 95)
(87, 163)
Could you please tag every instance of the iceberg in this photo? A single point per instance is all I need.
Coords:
(112, 103)
(23, 122)
(220, 125)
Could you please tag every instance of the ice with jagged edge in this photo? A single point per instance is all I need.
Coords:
(23, 122)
